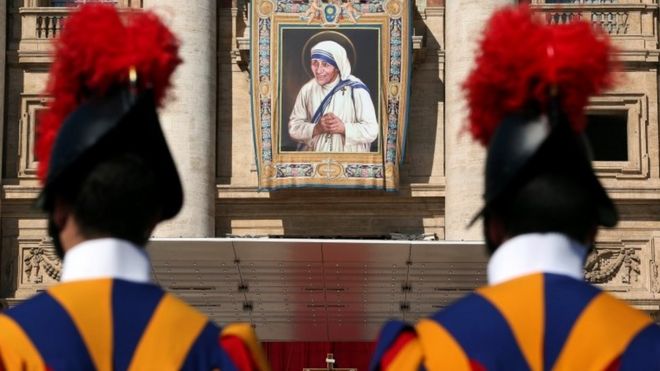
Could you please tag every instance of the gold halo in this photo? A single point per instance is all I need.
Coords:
(335, 36)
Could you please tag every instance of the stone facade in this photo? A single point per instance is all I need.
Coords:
(440, 184)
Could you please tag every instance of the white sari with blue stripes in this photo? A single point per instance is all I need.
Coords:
(350, 101)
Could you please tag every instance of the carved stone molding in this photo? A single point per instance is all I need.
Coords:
(607, 265)
(629, 268)
(39, 261)
(31, 105)
(636, 107)
(631, 24)
(39, 26)
(39, 264)
(41, 23)
(654, 264)
(655, 285)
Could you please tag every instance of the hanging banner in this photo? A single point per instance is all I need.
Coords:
(330, 92)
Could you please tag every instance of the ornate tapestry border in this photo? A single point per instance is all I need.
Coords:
(371, 170)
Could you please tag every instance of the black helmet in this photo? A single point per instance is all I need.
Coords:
(523, 148)
(120, 122)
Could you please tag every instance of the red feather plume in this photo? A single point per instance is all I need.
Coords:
(93, 54)
(521, 60)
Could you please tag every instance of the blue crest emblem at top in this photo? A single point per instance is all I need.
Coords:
(330, 13)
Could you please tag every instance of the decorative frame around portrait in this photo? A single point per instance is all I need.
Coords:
(281, 168)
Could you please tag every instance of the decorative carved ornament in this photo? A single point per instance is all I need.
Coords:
(656, 277)
(332, 12)
(39, 260)
(603, 266)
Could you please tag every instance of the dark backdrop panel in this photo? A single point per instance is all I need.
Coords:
(295, 72)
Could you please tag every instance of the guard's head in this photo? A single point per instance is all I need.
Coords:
(539, 179)
(103, 158)
(527, 95)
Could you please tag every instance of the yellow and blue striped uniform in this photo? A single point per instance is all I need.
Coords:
(113, 324)
(537, 322)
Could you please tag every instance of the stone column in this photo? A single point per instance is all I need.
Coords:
(3, 66)
(3, 53)
(189, 116)
(464, 159)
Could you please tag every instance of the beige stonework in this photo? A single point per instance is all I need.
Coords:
(209, 129)
(3, 58)
(189, 118)
(464, 158)
(3, 55)
(243, 210)
(427, 101)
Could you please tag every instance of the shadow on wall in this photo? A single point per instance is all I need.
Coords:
(331, 213)
(427, 96)
(224, 111)
(14, 84)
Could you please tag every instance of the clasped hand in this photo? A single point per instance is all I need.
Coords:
(330, 124)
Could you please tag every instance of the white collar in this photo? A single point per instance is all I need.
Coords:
(106, 258)
(535, 253)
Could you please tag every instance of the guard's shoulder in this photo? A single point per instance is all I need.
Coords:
(624, 312)
(394, 338)
(458, 311)
(234, 347)
(17, 351)
(240, 341)
(36, 306)
(177, 309)
(643, 352)
(614, 331)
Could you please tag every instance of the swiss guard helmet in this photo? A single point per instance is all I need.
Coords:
(527, 95)
(110, 73)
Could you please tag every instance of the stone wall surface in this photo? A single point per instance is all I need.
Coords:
(464, 158)
(209, 129)
(3, 55)
(189, 118)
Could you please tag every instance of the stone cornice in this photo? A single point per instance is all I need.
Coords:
(596, 7)
(414, 190)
